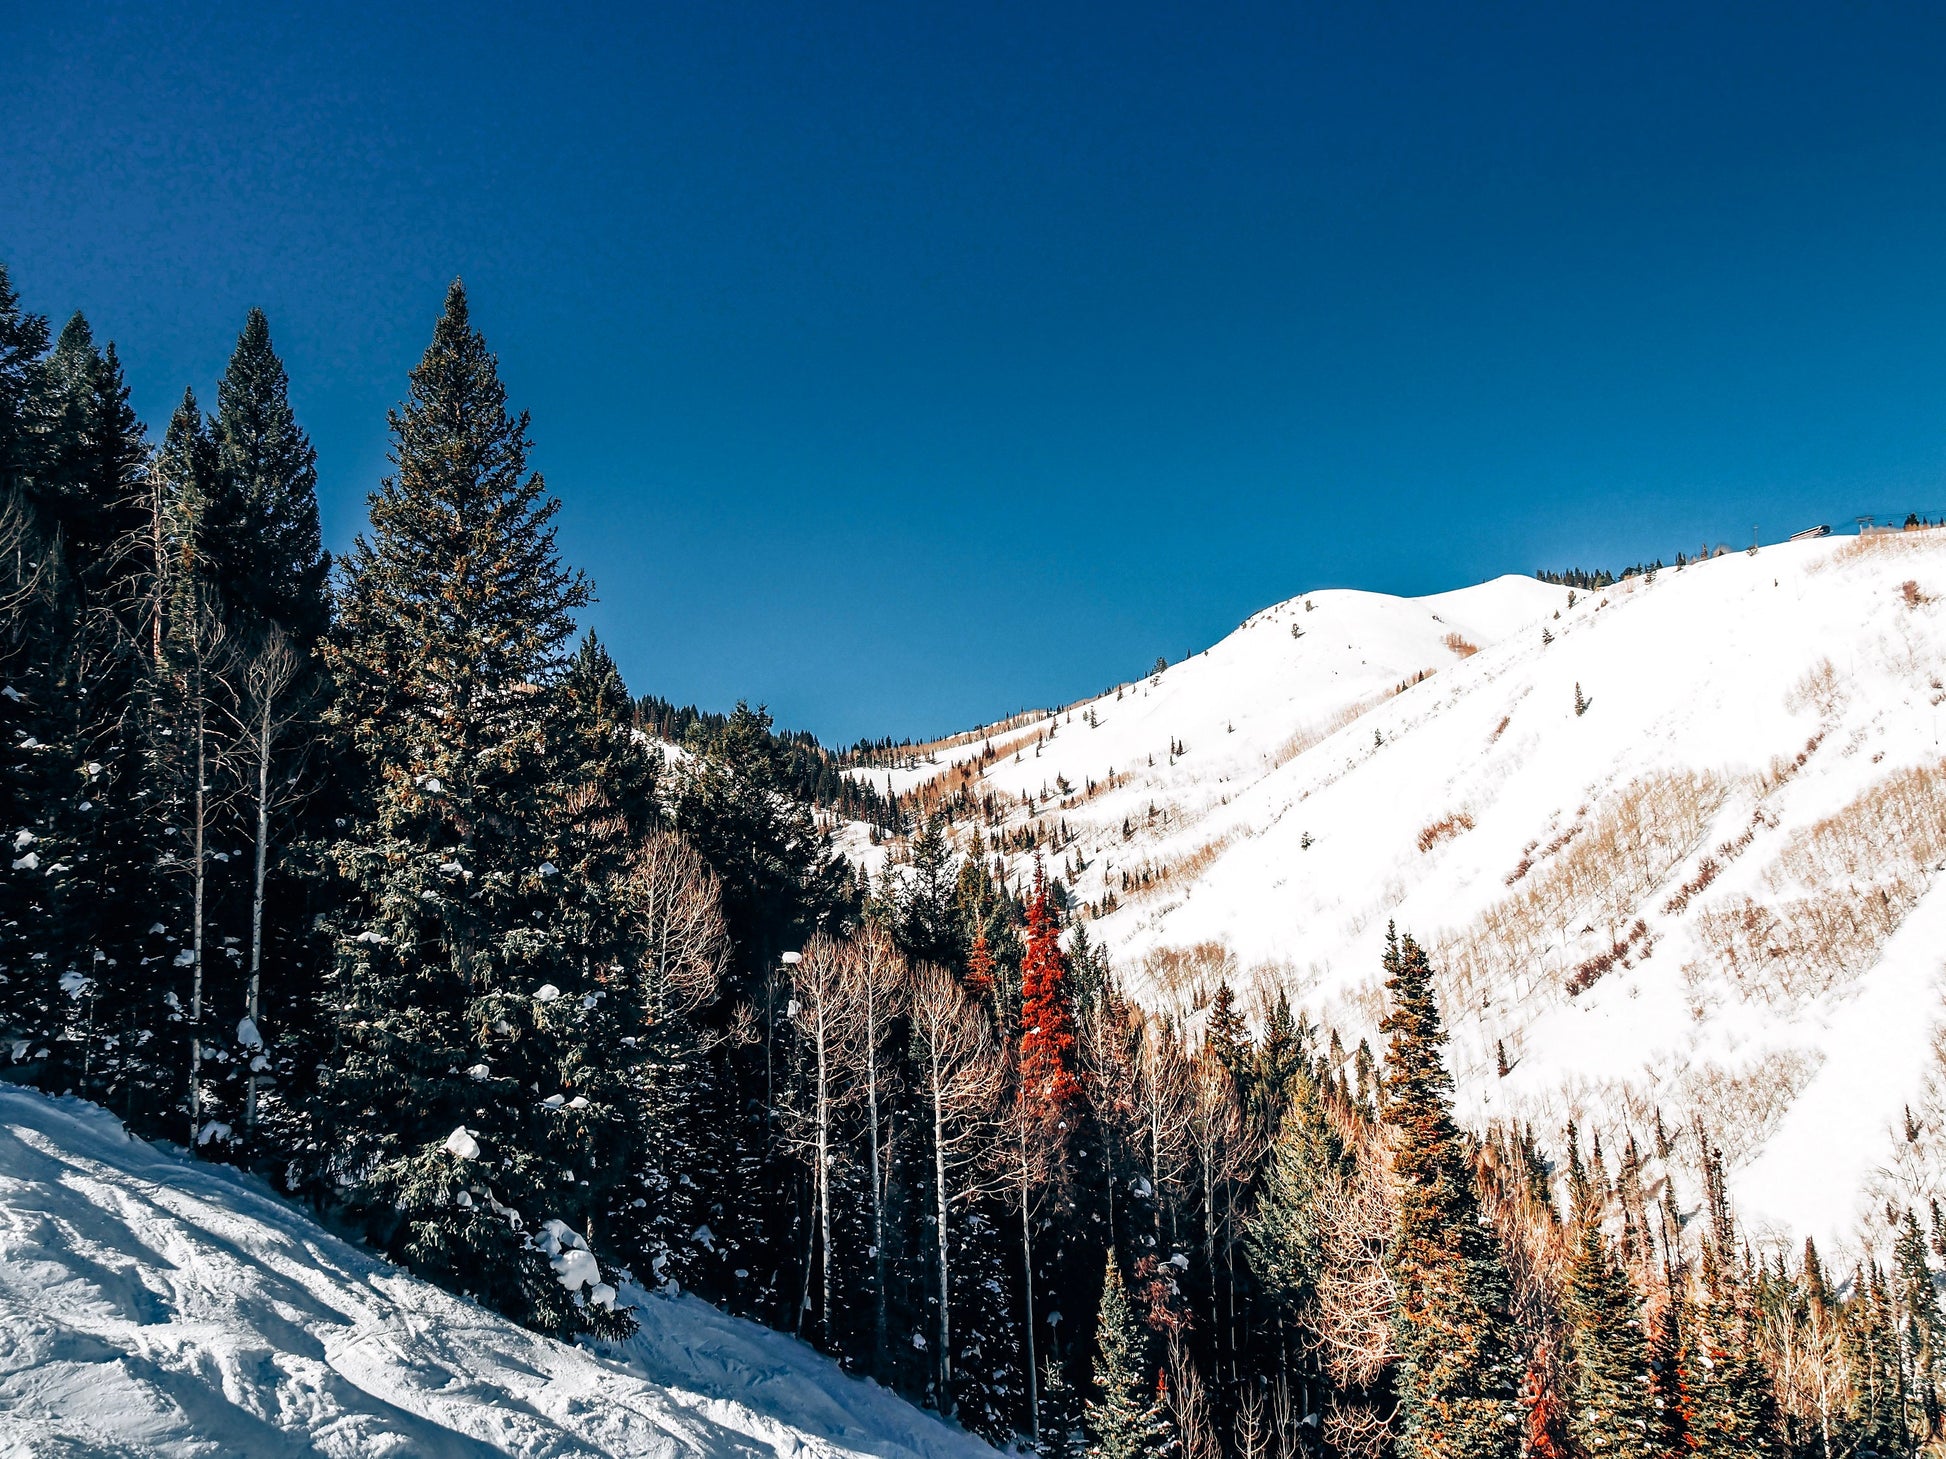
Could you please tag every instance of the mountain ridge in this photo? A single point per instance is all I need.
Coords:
(1693, 753)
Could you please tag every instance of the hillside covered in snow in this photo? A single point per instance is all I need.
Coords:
(155, 1305)
(1675, 843)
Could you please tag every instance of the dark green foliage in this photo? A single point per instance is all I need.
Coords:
(1062, 1434)
(1282, 1234)
(260, 537)
(462, 1015)
(478, 1045)
(1459, 1373)
(1125, 1419)
(1610, 1411)
(1922, 1328)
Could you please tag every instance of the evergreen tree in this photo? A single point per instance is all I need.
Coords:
(261, 534)
(1733, 1411)
(1458, 1369)
(1062, 1433)
(1282, 1233)
(88, 843)
(463, 1020)
(924, 912)
(1609, 1409)
(23, 402)
(1923, 1328)
(1125, 1420)
(1871, 1348)
(1226, 1034)
(1046, 1019)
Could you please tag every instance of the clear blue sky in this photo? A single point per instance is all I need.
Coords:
(900, 365)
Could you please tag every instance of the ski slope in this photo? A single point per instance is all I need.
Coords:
(159, 1306)
(1777, 715)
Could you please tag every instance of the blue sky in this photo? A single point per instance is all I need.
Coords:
(901, 365)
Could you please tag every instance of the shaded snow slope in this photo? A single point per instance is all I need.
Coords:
(1753, 805)
(158, 1306)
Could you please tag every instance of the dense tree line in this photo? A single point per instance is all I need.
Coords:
(370, 877)
(807, 770)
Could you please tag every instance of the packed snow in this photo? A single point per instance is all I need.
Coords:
(1279, 799)
(152, 1304)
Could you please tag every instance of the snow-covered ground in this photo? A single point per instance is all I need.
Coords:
(158, 1306)
(1277, 800)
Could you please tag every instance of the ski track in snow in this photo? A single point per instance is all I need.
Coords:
(154, 1305)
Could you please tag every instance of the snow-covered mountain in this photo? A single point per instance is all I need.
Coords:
(1675, 843)
(162, 1306)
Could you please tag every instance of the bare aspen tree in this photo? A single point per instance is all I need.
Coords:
(1105, 1038)
(24, 559)
(826, 1025)
(1189, 1406)
(189, 750)
(959, 1074)
(1026, 1160)
(679, 944)
(1251, 1434)
(675, 905)
(1352, 1307)
(1803, 1347)
(268, 708)
(1221, 1151)
(1164, 1107)
(1286, 1421)
(876, 983)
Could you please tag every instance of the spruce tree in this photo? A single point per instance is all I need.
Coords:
(1459, 1371)
(1922, 1328)
(23, 402)
(1226, 1034)
(1047, 1078)
(1609, 1405)
(1125, 1420)
(1282, 1233)
(1733, 1410)
(459, 1094)
(90, 854)
(261, 533)
(1062, 1433)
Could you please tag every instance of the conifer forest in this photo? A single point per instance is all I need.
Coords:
(371, 878)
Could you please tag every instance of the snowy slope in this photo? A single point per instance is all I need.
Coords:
(1235, 711)
(151, 1305)
(1788, 998)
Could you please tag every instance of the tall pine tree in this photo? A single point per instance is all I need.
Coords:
(462, 1016)
(1459, 1371)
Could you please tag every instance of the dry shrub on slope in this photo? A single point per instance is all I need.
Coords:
(1597, 883)
(1742, 1106)
(1891, 544)
(1868, 865)
(1443, 829)
(1186, 976)
(1818, 688)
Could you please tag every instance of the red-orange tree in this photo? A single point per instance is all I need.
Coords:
(1046, 1019)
